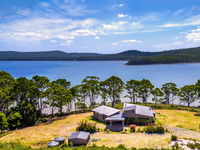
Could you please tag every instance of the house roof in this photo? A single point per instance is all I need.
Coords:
(140, 110)
(105, 110)
(117, 117)
(80, 135)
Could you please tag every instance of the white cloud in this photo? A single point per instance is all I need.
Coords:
(192, 21)
(122, 15)
(44, 4)
(115, 43)
(97, 37)
(67, 43)
(194, 35)
(23, 12)
(115, 25)
(47, 29)
(130, 41)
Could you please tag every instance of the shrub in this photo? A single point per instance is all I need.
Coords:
(14, 120)
(194, 145)
(121, 146)
(132, 128)
(3, 122)
(107, 130)
(87, 126)
(175, 146)
(155, 129)
(174, 138)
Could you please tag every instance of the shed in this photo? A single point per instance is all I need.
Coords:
(102, 112)
(79, 138)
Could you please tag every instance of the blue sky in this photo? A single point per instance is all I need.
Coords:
(103, 26)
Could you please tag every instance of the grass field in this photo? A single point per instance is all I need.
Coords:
(38, 136)
(179, 118)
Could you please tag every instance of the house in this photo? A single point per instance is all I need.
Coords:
(102, 112)
(132, 111)
(115, 118)
(79, 138)
(115, 122)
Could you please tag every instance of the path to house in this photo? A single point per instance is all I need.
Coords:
(184, 133)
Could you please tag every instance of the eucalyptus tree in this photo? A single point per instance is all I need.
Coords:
(189, 94)
(75, 95)
(103, 93)
(157, 95)
(66, 84)
(25, 101)
(6, 87)
(63, 82)
(114, 87)
(58, 96)
(171, 91)
(144, 89)
(81, 96)
(40, 84)
(132, 90)
(92, 88)
(3, 122)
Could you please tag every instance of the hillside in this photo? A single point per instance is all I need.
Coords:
(190, 55)
(43, 56)
(134, 57)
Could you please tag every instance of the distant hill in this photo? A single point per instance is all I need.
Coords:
(134, 57)
(189, 55)
(43, 56)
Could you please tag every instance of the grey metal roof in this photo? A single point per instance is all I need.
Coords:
(61, 138)
(52, 143)
(79, 135)
(105, 110)
(129, 108)
(117, 117)
(141, 110)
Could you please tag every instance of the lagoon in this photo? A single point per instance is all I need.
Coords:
(75, 71)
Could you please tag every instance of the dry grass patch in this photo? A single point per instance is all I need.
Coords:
(39, 135)
(138, 140)
(179, 118)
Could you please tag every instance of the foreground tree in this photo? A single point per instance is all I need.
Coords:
(3, 122)
(92, 88)
(144, 89)
(63, 82)
(114, 87)
(103, 93)
(157, 95)
(6, 87)
(81, 97)
(58, 96)
(40, 84)
(132, 89)
(25, 101)
(171, 91)
(189, 94)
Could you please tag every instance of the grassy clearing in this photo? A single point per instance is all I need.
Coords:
(179, 118)
(38, 136)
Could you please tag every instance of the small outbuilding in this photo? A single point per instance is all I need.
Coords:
(102, 112)
(79, 138)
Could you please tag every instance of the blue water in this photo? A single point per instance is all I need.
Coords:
(75, 71)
